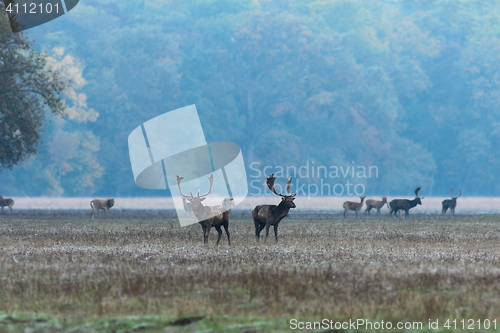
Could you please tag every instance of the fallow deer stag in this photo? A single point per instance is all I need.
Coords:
(450, 203)
(375, 204)
(265, 216)
(6, 202)
(355, 206)
(208, 216)
(405, 204)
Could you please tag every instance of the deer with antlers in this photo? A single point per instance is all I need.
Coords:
(355, 206)
(405, 204)
(208, 216)
(265, 216)
(450, 203)
(375, 204)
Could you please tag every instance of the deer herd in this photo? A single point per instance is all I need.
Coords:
(264, 216)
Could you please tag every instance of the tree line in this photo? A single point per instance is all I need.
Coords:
(407, 86)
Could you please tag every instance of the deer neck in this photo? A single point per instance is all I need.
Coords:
(199, 210)
(283, 208)
(413, 202)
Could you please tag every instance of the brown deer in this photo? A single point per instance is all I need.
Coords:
(105, 205)
(356, 206)
(208, 216)
(450, 203)
(405, 204)
(6, 202)
(375, 204)
(265, 216)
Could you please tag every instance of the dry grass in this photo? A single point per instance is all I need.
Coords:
(124, 275)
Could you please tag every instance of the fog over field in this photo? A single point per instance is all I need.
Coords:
(430, 205)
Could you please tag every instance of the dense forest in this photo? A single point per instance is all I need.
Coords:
(409, 88)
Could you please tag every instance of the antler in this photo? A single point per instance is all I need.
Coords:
(179, 185)
(416, 191)
(211, 178)
(289, 186)
(459, 195)
(190, 196)
(270, 184)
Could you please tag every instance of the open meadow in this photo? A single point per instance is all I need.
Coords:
(148, 274)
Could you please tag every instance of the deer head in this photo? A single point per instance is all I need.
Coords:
(195, 200)
(287, 200)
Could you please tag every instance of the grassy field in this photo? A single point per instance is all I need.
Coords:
(150, 275)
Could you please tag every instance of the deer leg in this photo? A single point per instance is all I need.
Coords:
(226, 227)
(356, 213)
(10, 208)
(407, 213)
(260, 227)
(367, 211)
(267, 230)
(217, 227)
(345, 211)
(207, 232)
(276, 232)
(257, 229)
(378, 211)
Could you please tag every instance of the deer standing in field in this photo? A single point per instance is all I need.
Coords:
(375, 204)
(6, 202)
(105, 205)
(208, 216)
(404, 204)
(265, 216)
(355, 206)
(450, 203)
